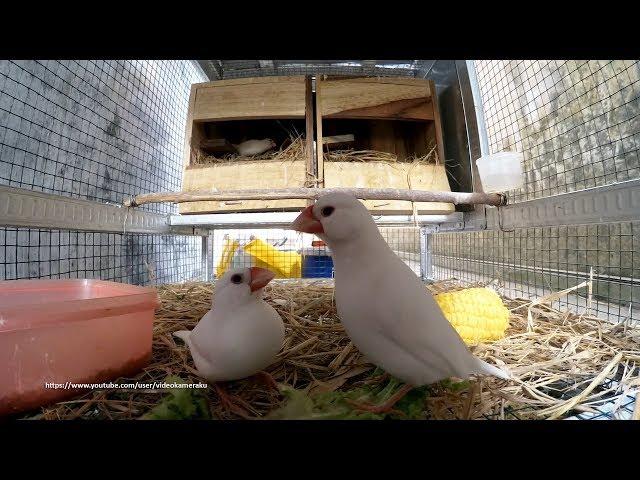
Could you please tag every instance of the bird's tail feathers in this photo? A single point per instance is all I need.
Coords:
(483, 368)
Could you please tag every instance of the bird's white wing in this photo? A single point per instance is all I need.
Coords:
(411, 319)
(206, 333)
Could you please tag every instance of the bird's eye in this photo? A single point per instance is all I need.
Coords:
(237, 278)
(326, 211)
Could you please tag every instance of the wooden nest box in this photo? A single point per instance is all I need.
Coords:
(396, 119)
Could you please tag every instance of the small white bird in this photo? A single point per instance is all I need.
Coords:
(241, 334)
(254, 147)
(383, 305)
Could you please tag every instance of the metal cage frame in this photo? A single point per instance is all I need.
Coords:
(466, 140)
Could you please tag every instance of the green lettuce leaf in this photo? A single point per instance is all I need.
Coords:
(180, 404)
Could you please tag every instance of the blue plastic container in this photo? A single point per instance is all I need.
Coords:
(316, 263)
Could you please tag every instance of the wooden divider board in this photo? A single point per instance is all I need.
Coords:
(289, 97)
(247, 98)
(375, 99)
(388, 175)
(382, 98)
(244, 99)
(244, 176)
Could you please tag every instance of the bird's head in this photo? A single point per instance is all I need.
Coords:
(239, 285)
(335, 218)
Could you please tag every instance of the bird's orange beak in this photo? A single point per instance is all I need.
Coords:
(306, 222)
(260, 277)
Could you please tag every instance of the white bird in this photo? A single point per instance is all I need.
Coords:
(384, 307)
(241, 334)
(254, 147)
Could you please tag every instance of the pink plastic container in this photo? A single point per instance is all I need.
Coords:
(77, 331)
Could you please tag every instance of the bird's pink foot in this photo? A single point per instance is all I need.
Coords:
(227, 402)
(266, 379)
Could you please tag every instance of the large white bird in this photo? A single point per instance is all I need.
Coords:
(384, 307)
(241, 334)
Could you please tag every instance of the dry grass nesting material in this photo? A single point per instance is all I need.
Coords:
(296, 150)
(561, 362)
(351, 155)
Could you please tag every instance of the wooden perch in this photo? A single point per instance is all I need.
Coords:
(338, 139)
(217, 145)
(457, 198)
(214, 142)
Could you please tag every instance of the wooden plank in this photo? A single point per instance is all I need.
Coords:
(417, 142)
(410, 109)
(312, 167)
(274, 99)
(390, 80)
(438, 125)
(383, 137)
(308, 108)
(252, 81)
(373, 98)
(424, 196)
(216, 145)
(319, 144)
(338, 139)
(386, 175)
(186, 158)
(244, 175)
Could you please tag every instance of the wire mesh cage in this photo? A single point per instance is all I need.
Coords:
(103, 131)
(533, 262)
(294, 255)
(577, 122)
(578, 126)
(100, 131)
(138, 259)
(225, 69)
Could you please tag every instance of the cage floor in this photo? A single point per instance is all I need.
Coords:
(565, 365)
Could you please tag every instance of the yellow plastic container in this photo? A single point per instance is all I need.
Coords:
(283, 264)
(230, 247)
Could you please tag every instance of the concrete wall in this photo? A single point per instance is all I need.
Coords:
(577, 122)
(578, 125)
(102, 131)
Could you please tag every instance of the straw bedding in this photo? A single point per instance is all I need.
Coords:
(352, 155)
(562, 362)
(295, 149)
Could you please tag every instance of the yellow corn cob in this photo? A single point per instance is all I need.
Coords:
(478, 314)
